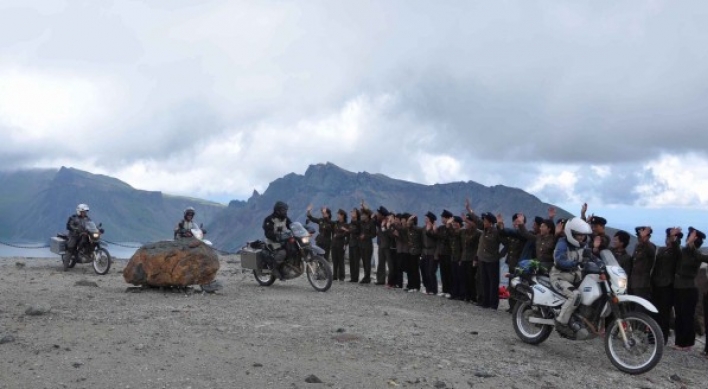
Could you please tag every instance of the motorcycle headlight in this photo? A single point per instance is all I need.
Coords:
(305, 240)
(96, 235)
(622, 282)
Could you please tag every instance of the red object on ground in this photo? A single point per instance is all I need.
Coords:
(503, 293)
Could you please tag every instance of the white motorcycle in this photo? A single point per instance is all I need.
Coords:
(633, 340)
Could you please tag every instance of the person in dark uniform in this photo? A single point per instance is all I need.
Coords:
(443, 254)
(470, 245)
(354, 230)
(384, 245)
(514, 241)
(339, 242)
(429, 261)
(324, 234)
(459, 268)
(488, 257)
(685, 291)
(415, 250)
(642, 263)
(619, 249)
(400, 234)
(367, 232)
(662, 279)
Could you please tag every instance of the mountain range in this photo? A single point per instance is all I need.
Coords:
(36, 203)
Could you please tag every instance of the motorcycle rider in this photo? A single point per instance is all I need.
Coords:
(273, 226)
(75, 224)
(184, 227)
(565, 274)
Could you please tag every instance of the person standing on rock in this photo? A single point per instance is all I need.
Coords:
(324, 234)
(274, 225)
(185, 226)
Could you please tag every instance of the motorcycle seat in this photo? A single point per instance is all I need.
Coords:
(546, 281)
(63, 236)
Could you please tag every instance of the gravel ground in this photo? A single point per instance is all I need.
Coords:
(76, 329)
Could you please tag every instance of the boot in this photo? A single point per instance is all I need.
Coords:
(568, 308)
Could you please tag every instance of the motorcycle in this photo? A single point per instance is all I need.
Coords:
(89, 249)
(302, 257)
(197, 233)
(633, 340)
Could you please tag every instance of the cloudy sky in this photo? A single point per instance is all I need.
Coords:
(598, 102)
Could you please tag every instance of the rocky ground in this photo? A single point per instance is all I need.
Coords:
(75, 329)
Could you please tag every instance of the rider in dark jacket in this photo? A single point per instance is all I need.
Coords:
(273, 226)
(74, 225)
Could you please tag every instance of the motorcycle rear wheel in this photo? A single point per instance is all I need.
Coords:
(101, 261)
(646, 343)
(68, 261)
(529, 332)
(319, 274)
(263, 279)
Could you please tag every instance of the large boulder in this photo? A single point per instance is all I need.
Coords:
(172, 263)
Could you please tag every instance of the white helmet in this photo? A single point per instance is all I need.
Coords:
(81, 208)
(577, 226)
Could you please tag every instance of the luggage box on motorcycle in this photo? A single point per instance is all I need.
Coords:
(57, 245)
(249, 259)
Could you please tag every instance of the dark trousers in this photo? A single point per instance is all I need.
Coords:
(432, 274)
(424, 271)
(490, 284)
(446, 273)
(471, 282)
(338, 263)
(663, 297)
(393, 271)
(327, 253)
(367, 250)
(413, 272)
(384, 260)
(459, 279)
(478, 278)
(401, 263)
(354, 258)
(685, 300)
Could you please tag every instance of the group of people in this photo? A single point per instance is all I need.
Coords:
(467, 250)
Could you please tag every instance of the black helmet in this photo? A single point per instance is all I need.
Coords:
(188, 211)
(280, 209)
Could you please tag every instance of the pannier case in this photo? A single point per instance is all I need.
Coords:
(57, 245)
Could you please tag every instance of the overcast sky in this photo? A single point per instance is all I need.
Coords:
(604, 102)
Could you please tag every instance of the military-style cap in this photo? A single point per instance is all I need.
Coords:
(445, 213)
(431, 216)
(640, 228)
(699, 234)
(383, 211)
(458, 219)
(549, 223)
(405, 215)
(538, 220)
(490, 217)
(516, 216)
(598, 220)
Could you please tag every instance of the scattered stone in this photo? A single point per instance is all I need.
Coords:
(257, 364)
(86, 283)
(133, 289)
(38, 310)
(483, 374)
(20, 265)
(77, 365)
(392, 383)
(313, 379)
(7, 339)
(474, 332)
(211, 287)
(440, 385)
(675, 378)
(471, 384)
(340, 330)
(385, 313)
(140, 347)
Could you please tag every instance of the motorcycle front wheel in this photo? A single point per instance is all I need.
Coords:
(101, 261)
(68, 261)
(530, 333)
(644, 347)
(319, 274)
(263, 279)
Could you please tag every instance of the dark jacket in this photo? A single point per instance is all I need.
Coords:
(354, 232)
(470, 244)
(269, 227)
(340, 236)
(687, 267)
(642, 262)
(367, 232)
(443, 241)
(324, 234)
(664, 271)
(625, 261)
(415, 241)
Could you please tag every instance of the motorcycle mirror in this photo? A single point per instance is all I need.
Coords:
(100, 225)
(201, 225)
